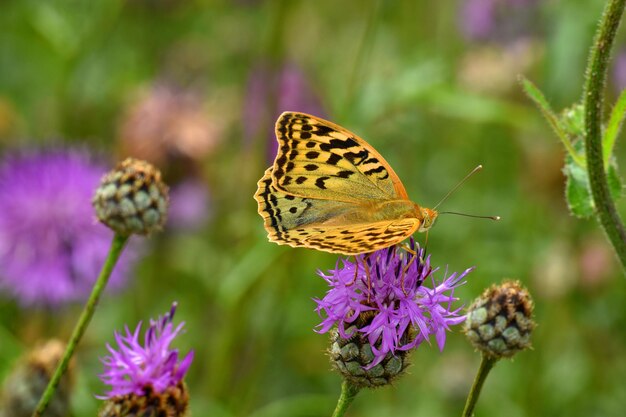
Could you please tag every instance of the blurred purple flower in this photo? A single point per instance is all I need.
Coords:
(391, 289)
(51, 247)
(477, 18)
(271, 92)
(136, 367)
(190, 205)
(619, 71)
(481, 20)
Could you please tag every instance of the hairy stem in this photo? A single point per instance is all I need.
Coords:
(593, 104)
(115, 251)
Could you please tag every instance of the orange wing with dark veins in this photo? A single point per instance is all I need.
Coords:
(319, 159)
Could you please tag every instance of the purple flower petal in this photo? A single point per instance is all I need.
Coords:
(396, 291)
(134, 367)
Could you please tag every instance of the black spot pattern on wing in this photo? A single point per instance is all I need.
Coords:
(306, 143)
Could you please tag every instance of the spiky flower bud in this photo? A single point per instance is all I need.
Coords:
(172, 402)
(132, 198)
(24, 386)
(499, 321)
(353, 358)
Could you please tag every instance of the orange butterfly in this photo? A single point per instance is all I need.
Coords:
(330, 190)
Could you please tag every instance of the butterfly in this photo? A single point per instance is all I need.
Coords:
(330, 190)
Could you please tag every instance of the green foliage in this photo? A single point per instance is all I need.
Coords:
(563, 131)
(578, 192)
(569, 127)
(427, 99)
(613, 127)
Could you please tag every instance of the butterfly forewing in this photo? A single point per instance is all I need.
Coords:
(319, 159)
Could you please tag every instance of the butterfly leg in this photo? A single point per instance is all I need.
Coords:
(367, 274)
(405, 270)
(356, 271)
(407, 248)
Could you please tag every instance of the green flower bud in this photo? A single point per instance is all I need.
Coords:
(352, 358)
(499, 322)
(132, 198)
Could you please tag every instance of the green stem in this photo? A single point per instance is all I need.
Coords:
(348, 392)
(593, 103)
(486, 364)
(115, 251)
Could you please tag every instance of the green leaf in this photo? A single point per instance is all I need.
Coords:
(615, 182)
(561, 131)
(613, 127)
(573, 122)
(577, 190)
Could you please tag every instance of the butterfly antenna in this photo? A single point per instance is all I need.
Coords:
(456, 187)
(471, 215)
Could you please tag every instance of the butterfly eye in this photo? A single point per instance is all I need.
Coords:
(428, 218)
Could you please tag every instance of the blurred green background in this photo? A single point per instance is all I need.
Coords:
(434, 91)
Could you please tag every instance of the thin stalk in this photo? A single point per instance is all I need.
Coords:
(348, 392)
(593, 103)
(486, 364)
(117, 246)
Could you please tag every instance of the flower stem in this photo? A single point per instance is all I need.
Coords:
(348, 392)
(115, 251)
(486, 364)
(593, 104)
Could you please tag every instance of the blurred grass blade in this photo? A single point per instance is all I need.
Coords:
(249, 269)
(476, 109)
(613, 128)
(298, 406)
(10, 349)
(540, 101)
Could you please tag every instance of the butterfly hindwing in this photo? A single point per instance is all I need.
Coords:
(358, 238)
(282, 213)
(307, 222)
(319, 159)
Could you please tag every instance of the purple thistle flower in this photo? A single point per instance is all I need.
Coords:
(619, 71)
(477, 18)
(134, 368)
(390, 288)
(507, 20)
(51, 247)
